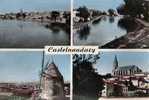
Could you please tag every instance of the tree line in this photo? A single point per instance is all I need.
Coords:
(135, 8)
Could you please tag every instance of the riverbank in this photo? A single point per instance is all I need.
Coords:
(79, 25)
(139, 38)
(57, 18)
(45, 16)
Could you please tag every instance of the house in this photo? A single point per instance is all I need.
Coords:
(75, 17)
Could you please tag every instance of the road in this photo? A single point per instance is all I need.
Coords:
(77, 26)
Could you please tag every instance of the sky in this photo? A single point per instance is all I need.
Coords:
(102, 5)
(105, 63)
(33, 5)
(25, 66)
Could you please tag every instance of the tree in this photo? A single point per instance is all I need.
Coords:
(133, 8)
(111, 12)
(84, 13)
(96, 13)
(127, 23)
(66, 15)
(21, 15)
(18, 15)
(54, 15)
(86, 80)
(108, 75)
(117, 91)
(131, 87)
(84, 32)
(122, 9)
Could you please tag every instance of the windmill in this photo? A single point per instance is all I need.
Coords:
(42, 68)
(51, 81)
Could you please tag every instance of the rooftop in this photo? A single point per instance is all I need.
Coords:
(128, 67)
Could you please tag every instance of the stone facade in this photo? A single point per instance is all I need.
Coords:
(52, 84)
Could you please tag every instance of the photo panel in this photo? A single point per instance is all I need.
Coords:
(111, 23)
(33, 75)
(31, 70)
(111, 75)
(34, 23)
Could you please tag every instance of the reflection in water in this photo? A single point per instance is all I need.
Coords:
(57, 27)
(20, 25)
(95, 22)
(104, 18)
(20, 34)
(111, 19)
(127, 23)
(84, 32)
(54, 29)
(108, 29)
(101, 33)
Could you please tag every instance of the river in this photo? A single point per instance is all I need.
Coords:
(101, 32)
(24, 34)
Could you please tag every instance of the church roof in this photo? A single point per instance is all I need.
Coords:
(127, 67)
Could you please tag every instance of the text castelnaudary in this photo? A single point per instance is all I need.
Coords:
(73, 49)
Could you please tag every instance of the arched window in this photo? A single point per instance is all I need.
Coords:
(126, 72)
(130, 71)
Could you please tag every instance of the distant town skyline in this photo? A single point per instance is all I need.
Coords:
(103, 5)
(25, 66)
(7, 6)
(105, 63)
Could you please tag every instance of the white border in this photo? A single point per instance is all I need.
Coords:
(123, 50)
(71, 43)
(71, 33)
(23, 49)
(71, 79)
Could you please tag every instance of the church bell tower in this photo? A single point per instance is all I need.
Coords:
(115, 64)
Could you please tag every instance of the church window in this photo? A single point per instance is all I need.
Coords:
(126, 72)
(130, 71)
(118, 72)
(122, 72)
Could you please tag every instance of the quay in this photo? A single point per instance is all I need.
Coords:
(139, 38)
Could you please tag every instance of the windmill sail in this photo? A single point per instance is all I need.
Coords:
(42, 67)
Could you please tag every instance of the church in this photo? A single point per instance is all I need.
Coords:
(124, 70)
(52, 83)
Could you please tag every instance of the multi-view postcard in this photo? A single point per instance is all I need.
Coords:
(111, 76)
(111, 23)
(74, 49)
(34, 23)
(34, 76)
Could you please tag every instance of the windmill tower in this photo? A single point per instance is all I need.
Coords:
(52, 83)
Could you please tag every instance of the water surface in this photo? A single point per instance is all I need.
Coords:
(101, 32)
(22, 34)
